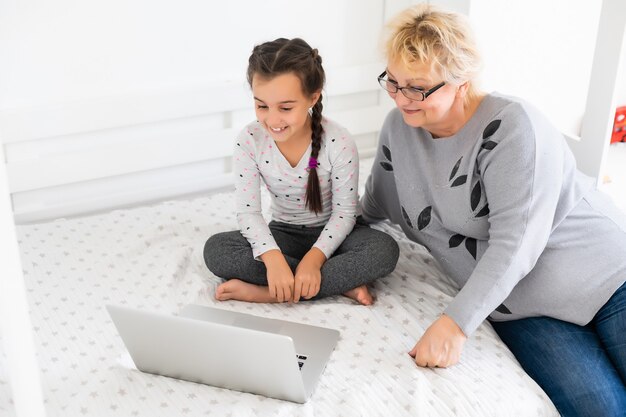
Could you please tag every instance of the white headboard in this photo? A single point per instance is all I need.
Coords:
(103, 153)
(75, 146)
(154, 128)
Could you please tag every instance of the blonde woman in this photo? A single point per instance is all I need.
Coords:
(489, 186)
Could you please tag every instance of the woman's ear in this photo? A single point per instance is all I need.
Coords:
(462, 90)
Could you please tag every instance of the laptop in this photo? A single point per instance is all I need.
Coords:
(228, 349)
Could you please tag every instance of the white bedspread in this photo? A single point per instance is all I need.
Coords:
(151, 257)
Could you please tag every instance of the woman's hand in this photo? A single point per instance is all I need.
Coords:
(441, 345)
(279, 276)
(308, 275)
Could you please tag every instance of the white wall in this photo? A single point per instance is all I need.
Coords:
(68, 50)
(104, 104)
(541, 51)
(620, 93)
(563, 56)
(113, 103)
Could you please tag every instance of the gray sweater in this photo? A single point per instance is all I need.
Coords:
(502, 208)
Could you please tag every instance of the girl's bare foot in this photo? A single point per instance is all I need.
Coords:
(361, 295)
(236, 289)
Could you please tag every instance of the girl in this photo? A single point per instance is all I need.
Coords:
(312, 247)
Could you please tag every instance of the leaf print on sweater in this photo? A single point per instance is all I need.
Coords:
(387, 153)
(455, 169)
(475, 196)
(470, 243)
(424, 218)
(503, 309)
(386, 165)
(491, 128)
(483, 211)
(406, 217)
(487, 145)
(488, 132)
(455, 240)
(461, 179)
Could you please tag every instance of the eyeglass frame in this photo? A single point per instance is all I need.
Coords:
(425, 94)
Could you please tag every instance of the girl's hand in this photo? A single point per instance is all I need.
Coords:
(279, 276)
(308, 275)
(441, 345)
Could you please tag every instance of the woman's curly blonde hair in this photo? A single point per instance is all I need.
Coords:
(425, 34)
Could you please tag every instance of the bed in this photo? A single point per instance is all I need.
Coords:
(150, 257)
(145, 150)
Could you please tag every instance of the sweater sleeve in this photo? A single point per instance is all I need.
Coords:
(380, 189)
(248, 196)
(344, 177)
(522, 177)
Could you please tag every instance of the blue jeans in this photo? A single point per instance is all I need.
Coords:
(581, 368)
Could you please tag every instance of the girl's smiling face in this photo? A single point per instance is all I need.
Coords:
(281, 106)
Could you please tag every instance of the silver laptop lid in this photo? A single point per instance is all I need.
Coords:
(211, 353)
(313, 344)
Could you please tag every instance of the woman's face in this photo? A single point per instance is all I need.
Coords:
(281, 107)
(432, 114)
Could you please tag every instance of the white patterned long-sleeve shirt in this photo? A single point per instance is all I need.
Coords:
(257, 158)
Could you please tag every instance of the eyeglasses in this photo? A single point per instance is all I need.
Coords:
(411, 93)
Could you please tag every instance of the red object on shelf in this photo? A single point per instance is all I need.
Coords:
(619, 125)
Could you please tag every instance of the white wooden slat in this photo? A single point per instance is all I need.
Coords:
(111, 112)
(15, 324)
(154, 153)
(137, 188)
(132, 189)
(590, 151)
(105, 113)
(364, 120)
(84, 203)
(121, 136)
(110, 161)
(135, 153)
(354, 79)
(21, 124)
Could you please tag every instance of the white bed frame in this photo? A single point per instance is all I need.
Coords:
(105, 153)
(95, 155)
(15, 325)
(108, 152)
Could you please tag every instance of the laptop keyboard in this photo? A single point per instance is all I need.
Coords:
(301, 359)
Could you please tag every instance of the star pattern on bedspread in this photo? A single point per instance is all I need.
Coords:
(151, 257)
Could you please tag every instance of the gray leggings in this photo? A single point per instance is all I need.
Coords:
(365, 255)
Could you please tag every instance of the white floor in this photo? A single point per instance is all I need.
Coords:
(614, 174)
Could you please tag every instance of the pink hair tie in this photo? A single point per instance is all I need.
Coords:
(312, 163)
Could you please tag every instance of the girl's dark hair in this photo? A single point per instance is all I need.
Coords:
(283, 56)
